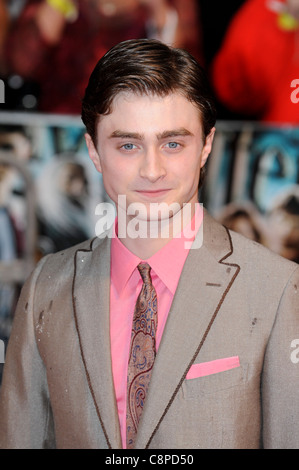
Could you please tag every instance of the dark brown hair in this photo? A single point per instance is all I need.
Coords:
(146, 66)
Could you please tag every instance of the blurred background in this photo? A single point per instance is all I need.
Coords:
(48, 187)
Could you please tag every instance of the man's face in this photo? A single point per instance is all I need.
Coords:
(151, 150)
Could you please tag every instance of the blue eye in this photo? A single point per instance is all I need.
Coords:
(128, 146)
(173, 145)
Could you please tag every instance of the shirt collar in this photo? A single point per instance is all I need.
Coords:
(167, 263)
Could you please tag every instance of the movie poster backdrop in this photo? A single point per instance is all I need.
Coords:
(49, 190)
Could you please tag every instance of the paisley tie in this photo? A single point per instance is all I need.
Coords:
(142, 352)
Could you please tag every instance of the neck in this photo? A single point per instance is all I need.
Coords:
(144, 238)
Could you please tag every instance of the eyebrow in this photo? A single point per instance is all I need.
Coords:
(180, 132)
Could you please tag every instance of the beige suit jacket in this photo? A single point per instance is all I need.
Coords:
(234, 299)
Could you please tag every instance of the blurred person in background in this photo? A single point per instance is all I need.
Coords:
(9, 11)
(4, 24)
(56, 43)
(63, 203)
(254, 68)
(282, 222)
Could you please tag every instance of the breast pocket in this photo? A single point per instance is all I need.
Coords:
(216, 382)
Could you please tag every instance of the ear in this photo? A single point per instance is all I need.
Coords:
(93, 153)
(207, 147)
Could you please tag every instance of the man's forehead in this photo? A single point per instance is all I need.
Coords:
(134, 96)
(127, 104)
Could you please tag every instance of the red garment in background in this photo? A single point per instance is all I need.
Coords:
(63, 71)
(254, 68)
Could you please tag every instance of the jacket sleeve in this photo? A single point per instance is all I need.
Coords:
(280, 379)
(25, 413)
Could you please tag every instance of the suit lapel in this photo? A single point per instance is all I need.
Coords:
(91, 294)
(204, 283)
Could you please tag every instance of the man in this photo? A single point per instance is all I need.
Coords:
(207, 358)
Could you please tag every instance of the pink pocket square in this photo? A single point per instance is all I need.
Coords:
(212, 367)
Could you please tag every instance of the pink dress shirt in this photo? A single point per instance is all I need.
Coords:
(126, 283)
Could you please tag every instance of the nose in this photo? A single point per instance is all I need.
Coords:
(153, 166)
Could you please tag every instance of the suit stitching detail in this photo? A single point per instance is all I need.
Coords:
(204, 336)
(81, 350)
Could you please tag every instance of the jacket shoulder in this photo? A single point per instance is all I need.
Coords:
(63, 257)
(60, 265)
(252, 253)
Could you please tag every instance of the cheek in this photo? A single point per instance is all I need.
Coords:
(189, 177)
(189, 170)
(116, 176)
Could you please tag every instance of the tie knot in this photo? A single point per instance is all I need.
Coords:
(145, 270)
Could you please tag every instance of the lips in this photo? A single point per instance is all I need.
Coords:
(153, 193)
